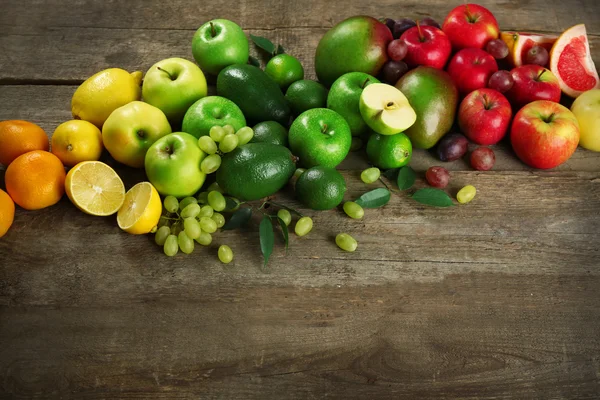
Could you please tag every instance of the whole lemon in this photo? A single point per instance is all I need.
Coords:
(76, 141)
(104, 92)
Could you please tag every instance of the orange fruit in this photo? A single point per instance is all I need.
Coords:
(519, 44)
(571, 62)
(7, 212)
(19, 137)
(35, 180)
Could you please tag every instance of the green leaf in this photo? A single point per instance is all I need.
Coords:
(284, 231)
(374, 198)
(239, 218)
(267, 238)
(253, 61)
(231, 204)
(263, 43)
(433, 197)
(391, 174)
(280, 50)
(406, 178)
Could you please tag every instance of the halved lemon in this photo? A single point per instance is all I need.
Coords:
(572, 63)
(95, 188)
(141, 209)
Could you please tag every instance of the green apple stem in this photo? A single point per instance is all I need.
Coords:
(166, 72)
(213, 32)
(324, 130)
(364, 85)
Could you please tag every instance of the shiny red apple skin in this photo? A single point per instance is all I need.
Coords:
(484, 116)
(470, 25)
(430, 47)
(544, 134)
(471, 69)
(533, 82)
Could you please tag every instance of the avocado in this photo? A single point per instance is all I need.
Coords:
(434, 97)
(255, 93)
(255, 170)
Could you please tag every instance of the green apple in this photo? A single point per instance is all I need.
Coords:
(173, 165)
(344, 98)
(211, 111)
(386, 109)
(320, 137)
(173, 85)
(131, 129)
(218, 44)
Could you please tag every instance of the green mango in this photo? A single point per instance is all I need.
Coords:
(434, 97)
(254, 92)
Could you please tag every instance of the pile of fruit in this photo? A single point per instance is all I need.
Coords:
(389, 85)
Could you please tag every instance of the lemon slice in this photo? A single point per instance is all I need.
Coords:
(95, 188)
(141, 209)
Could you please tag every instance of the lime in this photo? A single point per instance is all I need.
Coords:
(285, 70)
(270, 132)
(321, 188)
(389, 151)
(306, 94)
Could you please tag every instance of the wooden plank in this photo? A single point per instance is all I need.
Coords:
(49, 106)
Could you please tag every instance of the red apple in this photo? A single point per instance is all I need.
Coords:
(484, 116)
(533, 82)
(544, 134)
(470, 25)
(471, 69)
(427, 45)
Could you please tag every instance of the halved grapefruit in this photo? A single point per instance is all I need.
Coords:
(572, 63)
(519, 44)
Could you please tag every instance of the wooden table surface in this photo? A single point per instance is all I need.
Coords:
(496, 299)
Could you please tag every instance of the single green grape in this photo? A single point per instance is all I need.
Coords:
(208, 225)
(186, 202)
(191, 227)
(244, 135)
(171, 247)
(214, 186)
(171, 204)
(219, 219)
(161, 235)
(229, 143)
(163, 221)
(370, 175)
(216, 200)
(356, 144)
(225, 254)
(204, 239)
(207, 145)
(346, 242)
(206, 211)
(285, 216)
(466, 194)
(186, 244)
(229, 130)
(353, 210)
(202, 198)
(190, 211)
(303, 226)
(211, 163)
(217, 133)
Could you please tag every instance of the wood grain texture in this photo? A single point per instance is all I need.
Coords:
(497, 299)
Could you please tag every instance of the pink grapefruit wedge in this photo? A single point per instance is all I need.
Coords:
(519, 44)
(572, 63)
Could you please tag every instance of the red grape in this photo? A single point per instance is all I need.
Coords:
(537, 55)
(452, 147)
(389, 23)
(501, 81)
(402, 25)
(437, 177)
(397, 49)
(497, 49)
(430, 22)
(393, 70)
(482, 159)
